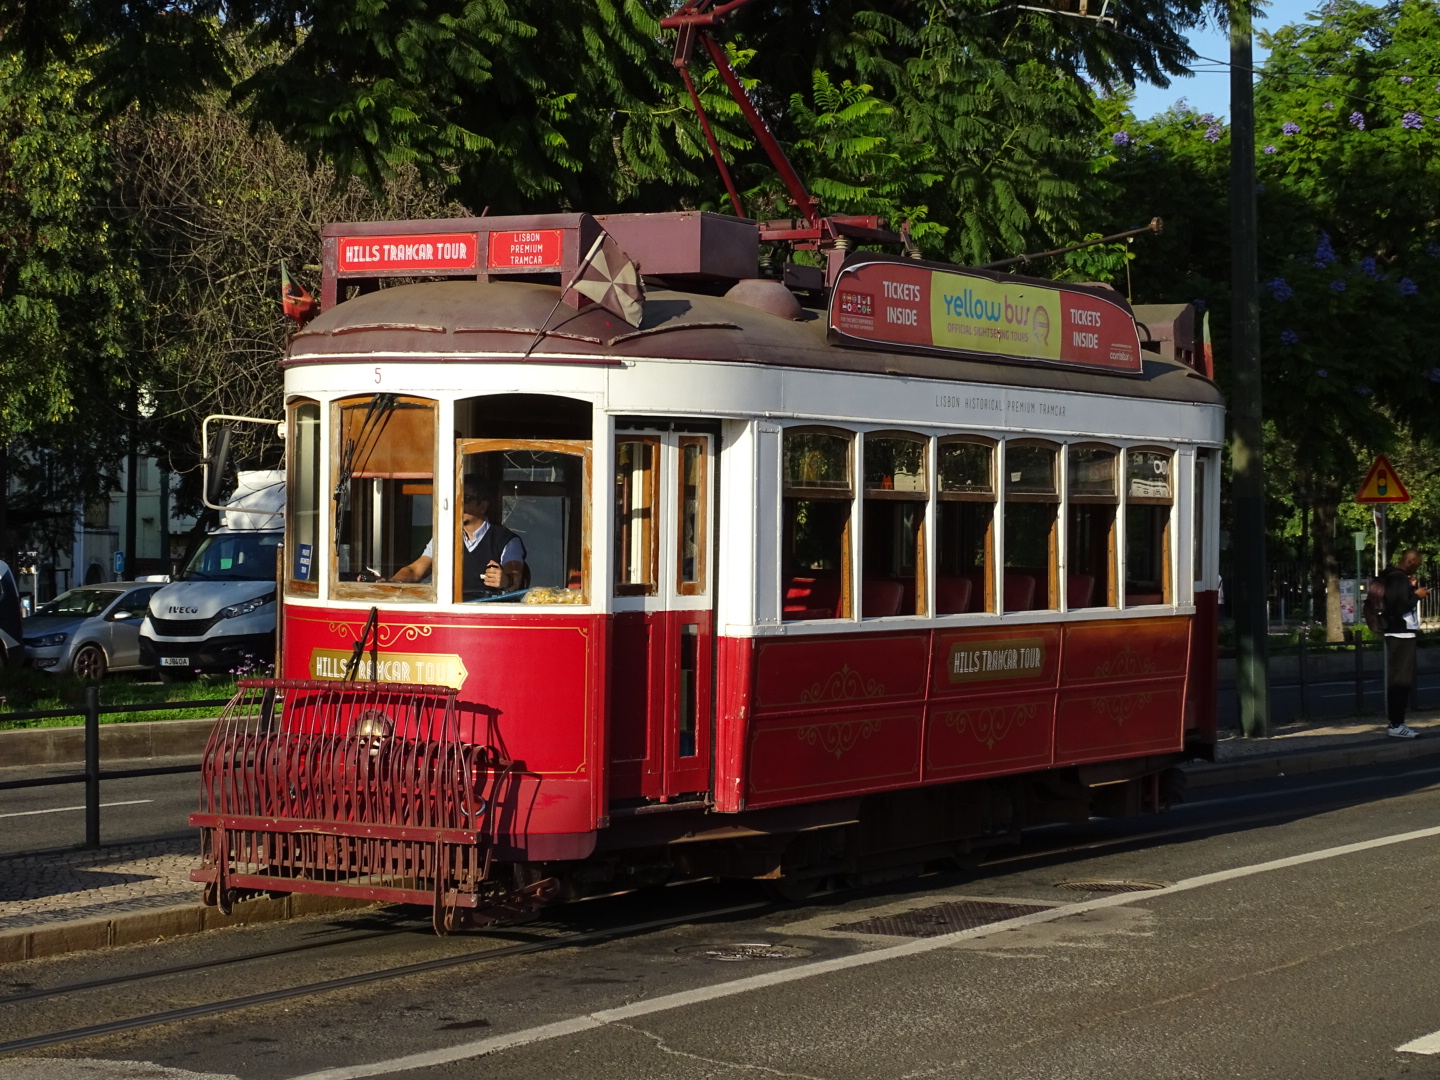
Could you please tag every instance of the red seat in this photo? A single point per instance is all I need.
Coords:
(811, 598)
(952, 595)
(1080, 591)
(1019, 590)
(881, 598)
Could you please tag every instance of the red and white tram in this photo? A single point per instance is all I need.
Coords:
(811, 582)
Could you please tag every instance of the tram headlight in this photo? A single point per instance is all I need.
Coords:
(372, 727)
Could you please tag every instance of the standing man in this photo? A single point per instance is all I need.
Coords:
(1400, 621)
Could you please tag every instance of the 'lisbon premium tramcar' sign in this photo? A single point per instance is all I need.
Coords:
(979, 315)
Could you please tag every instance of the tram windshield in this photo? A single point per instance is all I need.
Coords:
(384, 488)
(522, 538)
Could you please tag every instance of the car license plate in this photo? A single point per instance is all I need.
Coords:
(174, 661)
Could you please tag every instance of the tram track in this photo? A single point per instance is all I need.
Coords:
(587, 937)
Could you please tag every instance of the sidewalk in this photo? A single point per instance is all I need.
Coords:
(137, 893)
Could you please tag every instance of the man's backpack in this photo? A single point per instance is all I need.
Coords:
(1374, 606)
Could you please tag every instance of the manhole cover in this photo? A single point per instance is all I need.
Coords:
(1113, 886)
(745, 950)
(942, 918)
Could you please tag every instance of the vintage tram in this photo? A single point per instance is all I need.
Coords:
(820, 571)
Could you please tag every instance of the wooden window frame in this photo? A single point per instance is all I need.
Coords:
(1056, 500)
(294, 587)
(1167, 535)
(380, 591)
(576, 447)
(1112, 590)
(891, 495)
(992, 495)
(702, 516)
(829, 494)
(651, 586)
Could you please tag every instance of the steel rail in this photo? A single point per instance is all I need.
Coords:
(183, 969)
(191, 1012)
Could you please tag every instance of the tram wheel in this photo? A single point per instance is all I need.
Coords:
(89, 663)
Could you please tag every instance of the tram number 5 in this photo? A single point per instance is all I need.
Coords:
(377, 376)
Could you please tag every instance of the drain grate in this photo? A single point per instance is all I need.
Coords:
(747, 950)
(942, 918)
(1113, 886)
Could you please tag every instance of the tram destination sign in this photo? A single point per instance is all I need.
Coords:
(975, 315)
(430, 251)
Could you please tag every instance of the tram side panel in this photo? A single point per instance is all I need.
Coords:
(829, 716)
(534, 688)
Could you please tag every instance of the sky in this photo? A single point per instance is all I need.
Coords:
(1208, 90)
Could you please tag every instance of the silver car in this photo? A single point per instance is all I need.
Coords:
(89, 631)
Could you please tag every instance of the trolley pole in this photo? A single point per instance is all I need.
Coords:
(1247, 449)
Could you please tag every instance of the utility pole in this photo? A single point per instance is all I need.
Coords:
(1247, 446)
(132, 471)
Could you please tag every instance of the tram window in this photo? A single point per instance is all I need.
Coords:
(1091, 540)
(965, 524)
(524, 508)
(635, 516)
(1032, 502)
(303, 499)
(1149, 494)
(893, 582)
(816, 537)
(384, 491)
(694, 496)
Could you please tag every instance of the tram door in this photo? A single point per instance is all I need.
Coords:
(662, 667)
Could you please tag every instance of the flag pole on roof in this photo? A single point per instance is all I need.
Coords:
(609, 278)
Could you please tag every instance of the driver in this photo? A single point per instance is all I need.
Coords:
(494, 557)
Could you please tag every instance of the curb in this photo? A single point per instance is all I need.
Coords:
(153, 924)
(142, 739)
(1267, 766)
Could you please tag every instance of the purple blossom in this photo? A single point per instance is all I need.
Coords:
(1329, 105)
(1289, 128)
(1280, 289)
(1337, 285)
(1324, 253)
(1199, 304)
(1433, 374)
(1270, 148)
(1363, 391)
(1357, 121)
(1322, 373)
(1406, 79)
(1212, 133)
(1367, 265)
(1207, 118)
(1408, 287)
(1433, 250)
(1121, 138)
(1412, 121)
(1289, 337)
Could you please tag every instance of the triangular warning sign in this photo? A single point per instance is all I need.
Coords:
(1382, 485)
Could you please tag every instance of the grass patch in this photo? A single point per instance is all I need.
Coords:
(25, 689)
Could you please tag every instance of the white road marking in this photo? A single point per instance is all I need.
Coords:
(1426, 1044)
(666, 1002)
(62, 809)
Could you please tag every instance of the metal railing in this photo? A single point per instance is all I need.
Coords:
(92, 710)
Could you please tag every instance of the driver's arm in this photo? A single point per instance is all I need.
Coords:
(416, 571)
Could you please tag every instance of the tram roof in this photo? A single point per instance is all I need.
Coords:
(445, 320)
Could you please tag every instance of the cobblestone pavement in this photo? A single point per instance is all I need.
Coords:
(40, 889)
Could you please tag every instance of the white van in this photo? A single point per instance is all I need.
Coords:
(219, 613)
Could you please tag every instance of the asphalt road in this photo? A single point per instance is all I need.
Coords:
(1299, 942)
(51, 818)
